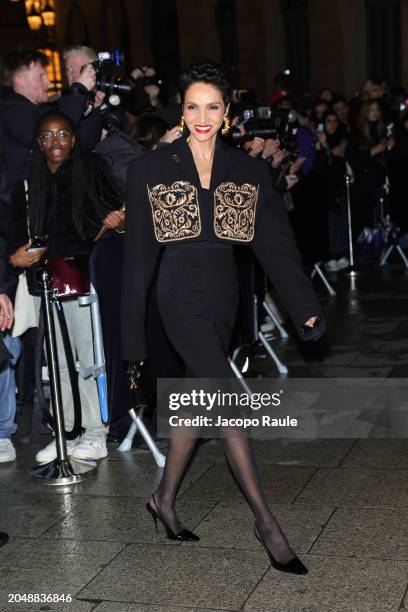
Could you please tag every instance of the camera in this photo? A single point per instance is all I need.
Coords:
(113, 85)
(266, 122)
(106, 81)
(112, 114)
(152, 80)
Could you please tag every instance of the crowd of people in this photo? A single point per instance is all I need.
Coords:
(63, 178)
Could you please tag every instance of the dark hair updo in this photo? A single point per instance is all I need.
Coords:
(206, 72)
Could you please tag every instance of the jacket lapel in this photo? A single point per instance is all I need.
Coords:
(223, 161)
(182, 157)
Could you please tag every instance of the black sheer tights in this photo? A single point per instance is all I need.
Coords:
(242, 462)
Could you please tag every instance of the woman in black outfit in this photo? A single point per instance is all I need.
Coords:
(189, 204)
(67, 198)
(367, 152)
(329, 172)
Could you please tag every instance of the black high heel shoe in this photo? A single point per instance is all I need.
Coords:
(183, 536)
(294, 566)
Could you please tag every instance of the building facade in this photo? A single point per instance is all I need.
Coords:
(337, 44)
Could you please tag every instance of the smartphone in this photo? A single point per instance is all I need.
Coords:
(38, 243)
(320, 128)
(34, 249)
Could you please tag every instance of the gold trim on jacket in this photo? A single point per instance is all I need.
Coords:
(234, 211)
(175, 210)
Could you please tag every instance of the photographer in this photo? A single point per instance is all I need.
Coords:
(78, 61)
(146, 95)
(284, 166)
(24, 100)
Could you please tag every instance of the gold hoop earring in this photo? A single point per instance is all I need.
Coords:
(227, 126)
(180, 126)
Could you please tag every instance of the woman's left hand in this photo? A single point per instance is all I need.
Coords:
(313, 329)
(115, 219)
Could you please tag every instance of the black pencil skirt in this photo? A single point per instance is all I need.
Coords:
(198, 298)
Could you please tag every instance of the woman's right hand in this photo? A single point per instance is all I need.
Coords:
(115, 219)
(22, 258)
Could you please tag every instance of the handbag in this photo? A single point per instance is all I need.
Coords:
(25, 311)
(70, 275)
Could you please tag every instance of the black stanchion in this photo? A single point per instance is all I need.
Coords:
(60, 471)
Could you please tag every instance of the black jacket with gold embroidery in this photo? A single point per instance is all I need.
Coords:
(163, 208)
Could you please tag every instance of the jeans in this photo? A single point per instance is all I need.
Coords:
(8, 388)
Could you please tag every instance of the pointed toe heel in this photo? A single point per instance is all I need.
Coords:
(294, 566)
(183, 536)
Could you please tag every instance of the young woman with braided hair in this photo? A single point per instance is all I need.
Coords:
(66, 199)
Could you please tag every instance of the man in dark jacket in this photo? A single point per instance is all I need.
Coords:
(24, 99)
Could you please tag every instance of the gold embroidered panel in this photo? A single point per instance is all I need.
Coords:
(175, 210)
(234, 211)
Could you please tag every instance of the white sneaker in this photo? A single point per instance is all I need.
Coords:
(49, 453)
(331, 265)
(90, 449)
(7, 450)
(342, 263)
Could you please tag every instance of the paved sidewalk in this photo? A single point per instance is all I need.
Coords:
(343, 504)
